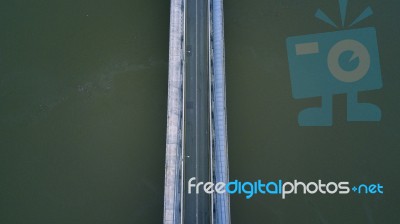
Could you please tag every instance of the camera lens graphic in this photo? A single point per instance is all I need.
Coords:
(359, 51)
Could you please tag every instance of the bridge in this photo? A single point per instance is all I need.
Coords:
(196, 144)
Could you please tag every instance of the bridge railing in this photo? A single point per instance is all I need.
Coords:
(173, 162)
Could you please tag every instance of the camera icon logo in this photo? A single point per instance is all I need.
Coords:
(340, 62)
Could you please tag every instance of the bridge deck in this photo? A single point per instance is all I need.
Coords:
(196, 126)
(196, 131)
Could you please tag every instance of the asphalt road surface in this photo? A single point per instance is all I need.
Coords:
(197, 130)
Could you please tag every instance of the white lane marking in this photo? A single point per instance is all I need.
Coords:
(197, 170)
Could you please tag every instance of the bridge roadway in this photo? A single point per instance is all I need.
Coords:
(196, 207)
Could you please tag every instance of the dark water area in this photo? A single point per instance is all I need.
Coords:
(83, 101)
(265, 141)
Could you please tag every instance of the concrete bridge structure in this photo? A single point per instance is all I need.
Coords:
(196, 144)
